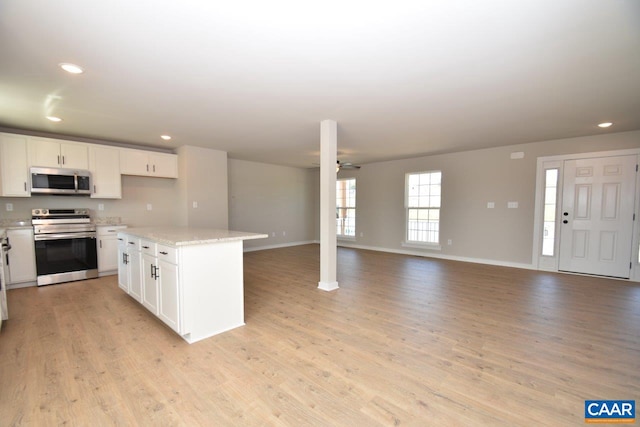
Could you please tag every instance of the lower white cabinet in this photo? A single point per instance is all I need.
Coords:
(22, 256)
(160, 291)
(169, 291)
(196, 289)
(129, 269)
(108, 248)
(149, 283)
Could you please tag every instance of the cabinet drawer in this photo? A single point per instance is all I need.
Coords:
(133, 243)
(110, 230)
(148, 247)
(168, 254)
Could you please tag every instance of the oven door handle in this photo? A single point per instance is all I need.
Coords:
(58, 236)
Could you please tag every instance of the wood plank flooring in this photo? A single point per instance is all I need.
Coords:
(404, 341)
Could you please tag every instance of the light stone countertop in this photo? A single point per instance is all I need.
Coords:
(15, 223)
(108, 220)
(183, 236)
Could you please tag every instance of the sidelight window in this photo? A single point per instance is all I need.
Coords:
(550, 205)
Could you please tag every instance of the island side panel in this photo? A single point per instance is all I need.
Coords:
(211, 278)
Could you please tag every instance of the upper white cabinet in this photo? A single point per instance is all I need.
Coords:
(14, 168)
(146, 163)
(45, 152)
(104, 165)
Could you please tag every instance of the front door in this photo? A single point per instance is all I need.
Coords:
(597, 216)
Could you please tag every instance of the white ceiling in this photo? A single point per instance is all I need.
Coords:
(254, 78)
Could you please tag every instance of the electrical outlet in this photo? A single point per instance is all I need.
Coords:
(195, 205)
(284, 233)
(361, 234)
(100, 206)
(9, 207)
(149, 207)
(449, 242)
(273, 234)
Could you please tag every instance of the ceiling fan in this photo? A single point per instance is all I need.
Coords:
(345, 165)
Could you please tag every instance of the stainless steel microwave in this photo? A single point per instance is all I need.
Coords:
(69, 182)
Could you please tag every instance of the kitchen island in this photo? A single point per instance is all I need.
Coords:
(190, 278)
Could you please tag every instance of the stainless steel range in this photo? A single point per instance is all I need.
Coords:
(65, 241)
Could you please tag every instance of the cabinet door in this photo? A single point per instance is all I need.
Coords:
(22, 256)
(14, 169)
(44, 153)
(104, 165)
(123, 265)
(74, 156)
(134, 162)
(107, 253)
(163, 165)
(135, 275)
(149, 284)
(169, 307)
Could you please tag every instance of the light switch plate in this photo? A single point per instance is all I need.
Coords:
(9, 207)
(491, 205)
(149, 207)
(512, 205)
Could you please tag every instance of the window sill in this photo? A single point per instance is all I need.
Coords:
(418, 245)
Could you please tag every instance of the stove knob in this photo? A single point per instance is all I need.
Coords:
(44, 211)
(36, 211)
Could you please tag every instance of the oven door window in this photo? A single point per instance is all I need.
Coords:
(65, 255)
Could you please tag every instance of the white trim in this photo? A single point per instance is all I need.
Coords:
(328, 286)
(442, 256)
(21, 285)
(537, 260)
(280, 245)
(419, 245)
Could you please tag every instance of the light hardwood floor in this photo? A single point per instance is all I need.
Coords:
(404, 341)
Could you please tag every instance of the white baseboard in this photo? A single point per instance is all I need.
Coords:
(21, 285)
(280, 245)
(441, 256)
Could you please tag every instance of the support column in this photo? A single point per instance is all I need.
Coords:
(328, 243)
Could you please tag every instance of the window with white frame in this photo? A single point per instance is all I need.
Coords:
(422, 200)
(346, 207)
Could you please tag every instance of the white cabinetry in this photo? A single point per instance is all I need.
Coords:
(145, 163)
(108, 248)
(22, 256)
(104, 165)
(192, 279)
(149, 276)
(129, 266)
(14, 169)
(168, 289)
(45, 152)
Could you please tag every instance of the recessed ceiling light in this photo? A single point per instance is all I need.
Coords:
(54, 119)
(165, 137)
(605, 124)
(71, 68)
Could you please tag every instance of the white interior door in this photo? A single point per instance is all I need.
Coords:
(597, 216)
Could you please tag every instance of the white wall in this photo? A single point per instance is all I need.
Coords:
(470, 180)
(203, 180)
(272, 199)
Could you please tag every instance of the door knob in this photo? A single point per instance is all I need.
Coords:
(566, 214)
(565, 222)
